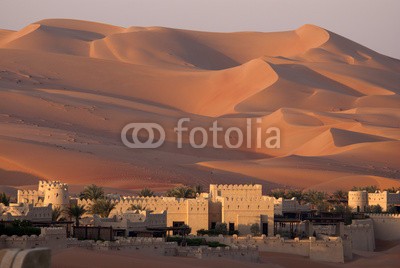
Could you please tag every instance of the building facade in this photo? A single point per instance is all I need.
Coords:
(359, 200)
(239, 206)
(49, 192)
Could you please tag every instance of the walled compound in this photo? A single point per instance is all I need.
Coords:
(359, 200)
(239, 206)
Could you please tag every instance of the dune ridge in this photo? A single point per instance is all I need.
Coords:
(67, 88)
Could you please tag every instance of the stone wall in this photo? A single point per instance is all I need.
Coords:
(52, 237)
(28, 196)
(361, 234)
(386, 226)
(330, 249)
(159, 246)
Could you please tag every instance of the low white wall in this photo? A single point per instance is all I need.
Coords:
(331, 248)
(52, 237)
(361, 234)
(386, 226)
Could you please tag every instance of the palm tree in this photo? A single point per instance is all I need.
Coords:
(278, 193)
(339, 195)
(198, 189)
(392, 190)
(369, 189)
(102, 207)
(92, 192)
(56, 214)
(315, 197)
(4, 199)
(76, 211)
(182, 192)
(146, 192)
(298, 194)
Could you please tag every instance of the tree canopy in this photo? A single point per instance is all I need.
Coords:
(92, 192)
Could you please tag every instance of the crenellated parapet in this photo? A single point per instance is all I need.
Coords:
(235, 190)
(237, 186)
(383, 215)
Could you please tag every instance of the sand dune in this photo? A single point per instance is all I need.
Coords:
(68, 87)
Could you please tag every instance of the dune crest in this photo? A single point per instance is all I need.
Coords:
(68, 87)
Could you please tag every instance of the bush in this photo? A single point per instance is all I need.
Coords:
(235, 232)
(219, 229)
(17, 229)
(214, 244)
(194, 242)
(255, 229)
(374, 209)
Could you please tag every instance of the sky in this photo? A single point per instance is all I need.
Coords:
(372, 23)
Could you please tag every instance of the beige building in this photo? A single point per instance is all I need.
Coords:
(239, 206)
(282, 206)
(132, 221)
(359, 200)
(37, 205)
(25, 212)
(49, 192)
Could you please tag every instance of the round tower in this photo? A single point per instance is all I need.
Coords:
(55, 193)
(358, 200)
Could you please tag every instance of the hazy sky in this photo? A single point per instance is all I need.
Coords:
(373, 23)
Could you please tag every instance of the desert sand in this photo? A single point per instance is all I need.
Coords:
(76, 258)
(68, 87)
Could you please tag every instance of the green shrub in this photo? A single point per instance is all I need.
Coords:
(214, 244)
(195, 242)
(18, 230)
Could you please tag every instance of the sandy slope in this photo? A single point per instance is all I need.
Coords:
(68, 87)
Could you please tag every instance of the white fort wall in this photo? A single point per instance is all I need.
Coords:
(52, 237)
(330, 249)
(361, 234)
(386, 226)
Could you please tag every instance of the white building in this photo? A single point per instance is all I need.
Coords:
(359, 200)
(282, 206)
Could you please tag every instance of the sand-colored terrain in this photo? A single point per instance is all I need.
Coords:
(77, 257)
(68, 87)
